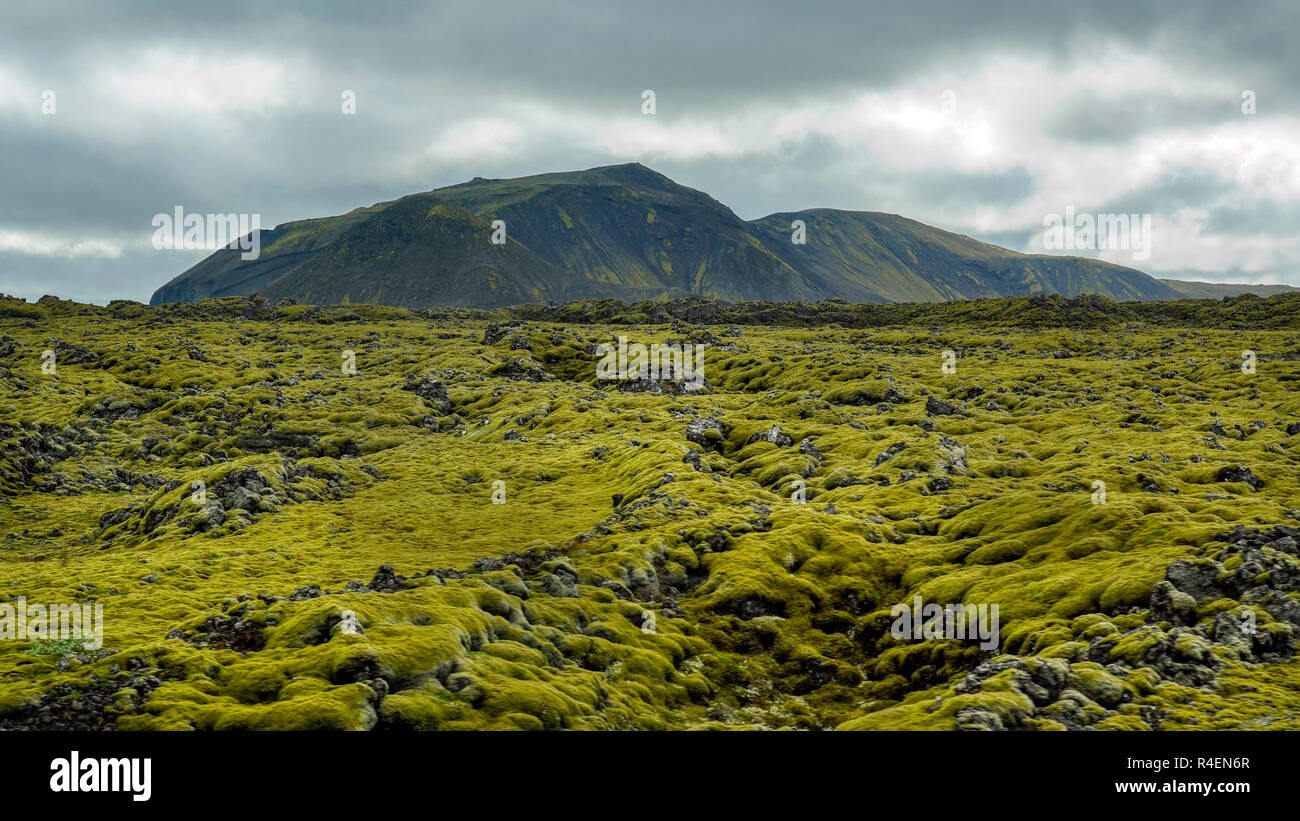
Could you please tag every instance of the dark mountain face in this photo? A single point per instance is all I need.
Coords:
(636, 231)
(225, 273)
(873, 257)
(421, 251)
(631, 233)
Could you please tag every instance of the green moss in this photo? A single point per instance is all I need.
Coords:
(767, 613)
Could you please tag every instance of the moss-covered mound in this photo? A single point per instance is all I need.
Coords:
(354, 517)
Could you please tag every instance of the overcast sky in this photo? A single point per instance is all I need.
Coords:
(977, 117)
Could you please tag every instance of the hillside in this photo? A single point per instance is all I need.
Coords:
(630, 233)
(420, 251)
(1217, 290)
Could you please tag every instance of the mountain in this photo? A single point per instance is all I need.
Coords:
(873, 257)
(627, 232)
(1217, 290)
(421, 250)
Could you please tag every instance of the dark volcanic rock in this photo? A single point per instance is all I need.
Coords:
(807, 448)
(707, 432)
(431, 391)
(1197, 578)
(889, 453)
(1171, 604)
(938, 407)
(1239, 473)
(386, 580)
(772, 435)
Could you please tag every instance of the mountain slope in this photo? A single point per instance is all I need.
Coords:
(226, 273)
(628, 232)
(632, 228)
(421, 251)
(1218, 290)
(858, 255)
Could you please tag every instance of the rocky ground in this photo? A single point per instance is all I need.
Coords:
(470, 530)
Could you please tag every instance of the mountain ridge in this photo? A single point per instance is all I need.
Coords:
(632, 233)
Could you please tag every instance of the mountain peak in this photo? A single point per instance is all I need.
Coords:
(630, 167)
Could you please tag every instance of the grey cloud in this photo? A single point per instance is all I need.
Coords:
(1176, 189)
(713, 52)
(1245, 219)
(1096, 118)
(420, 69)
(131, 276)
(1002, 188)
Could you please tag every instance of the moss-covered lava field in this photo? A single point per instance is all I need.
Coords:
(471, 531)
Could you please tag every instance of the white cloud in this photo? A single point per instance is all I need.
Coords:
(11, 93)
(188, 82)
(478, 138)
(650, 140)
(1181, 242)
(48, 245)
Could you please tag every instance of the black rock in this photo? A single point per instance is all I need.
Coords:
(1172, 605)
(386, 580)
(772, 435)
(938, 407)
(807, 448)
(1198, 579)
(706, 432)
(890, 452)
(1239, 473)
(431, 391)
